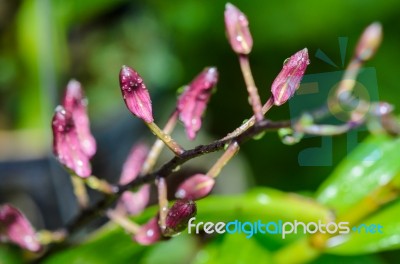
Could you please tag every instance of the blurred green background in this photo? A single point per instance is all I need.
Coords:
(44, 43)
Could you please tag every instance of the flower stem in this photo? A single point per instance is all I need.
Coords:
(162, 201)
(171, 144)
(232, 149)
(158, 145)
(251, 87)
(123, 221)
(348, 81)
(99, 185)
(327, 130)
(47, 237)
(80, 191)
(250, 122)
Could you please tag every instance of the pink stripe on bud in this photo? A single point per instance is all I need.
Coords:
(135, 93)
(237, 28)
(193, 101)
(288, 80)
(17, 228)
(195, 187)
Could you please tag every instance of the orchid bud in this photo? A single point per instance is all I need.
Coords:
(67, 146)
(195, 187)
(288, 80)
(369, 41)
(237, 28)
(178, 216)
(133, 163)
(193, 101)
(134, 202)
(149, 233)
(135, 93)
(76, 103)
(15, 227)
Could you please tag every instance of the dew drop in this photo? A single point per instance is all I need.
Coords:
(150, 233)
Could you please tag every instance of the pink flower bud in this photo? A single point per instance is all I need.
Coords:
(76, 103)
(178, 216)
(288, 80)
(133, 163)
(149, 233)
(195, 187)
(17, 228)
(193, 101)
(134, 202)
(237, 28)
(67, 146)
(135, 94)
(369, 42)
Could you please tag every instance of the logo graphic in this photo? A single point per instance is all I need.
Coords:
(316, 89)
(281, 228)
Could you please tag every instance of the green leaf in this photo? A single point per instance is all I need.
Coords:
(232, 249)
(260, 203)
(10, 255)
(332, 259)
(113, 246)
(373, 163)
(362, 243)
(179, 249)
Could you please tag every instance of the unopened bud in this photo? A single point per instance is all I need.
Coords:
(193, 101)
(75, 102)
(149, 233)
(15, 227)
(135, 93)
(369, 41)
(178, 216)
(67, 146)
(288, 80)
(133, 164)
(237, 28)
(195, 187)
(134, 202)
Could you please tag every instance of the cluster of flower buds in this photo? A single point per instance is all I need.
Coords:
(193, 101)
(16, 228)
(73, 143)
